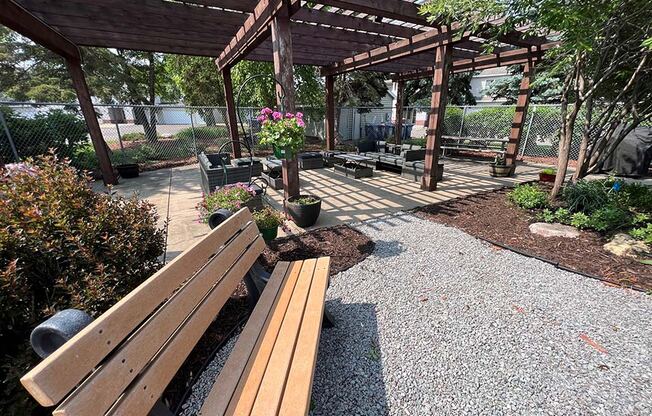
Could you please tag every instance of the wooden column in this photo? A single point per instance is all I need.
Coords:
(330, 112)
(443, 58)
(398, 124)
(518, 123)
(231, 118)
(282, 49)
(86, 105)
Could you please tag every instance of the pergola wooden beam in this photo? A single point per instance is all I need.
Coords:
(329, 121)
(20, 20)
(511, 57)
(391, 9)
(254, 30)
(520, 115)
(422, 42)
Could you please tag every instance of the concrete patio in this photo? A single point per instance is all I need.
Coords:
(176, 191)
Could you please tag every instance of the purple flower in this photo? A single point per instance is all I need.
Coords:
(266, 111)
(261, 118)
(277, 115)
(300, 123)
(299, 114)
(289, 115)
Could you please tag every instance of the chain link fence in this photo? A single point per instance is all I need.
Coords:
(540, 135)
(164, 134)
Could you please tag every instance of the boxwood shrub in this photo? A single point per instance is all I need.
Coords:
(62, 245)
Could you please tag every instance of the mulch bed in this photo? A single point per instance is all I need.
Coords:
(346, 247)
(491, 216)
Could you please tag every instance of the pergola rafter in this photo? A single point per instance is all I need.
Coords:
(338, 35)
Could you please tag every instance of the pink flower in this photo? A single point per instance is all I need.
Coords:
(299, 114)
(261, 118)
(300, 123)
(266, 111)
(289, 115)
(277, 115)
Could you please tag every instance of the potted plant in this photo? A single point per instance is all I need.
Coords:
(125, 164)
(499, 167)
(229, 197)
(284, 132)
(547, 175)
(268, 220)
(304, 209)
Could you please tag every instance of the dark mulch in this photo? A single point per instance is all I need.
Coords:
(343, 244)
(490, 215)
(346, 247)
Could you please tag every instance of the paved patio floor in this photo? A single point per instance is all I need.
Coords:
(176, 191)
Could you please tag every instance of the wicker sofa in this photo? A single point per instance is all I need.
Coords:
(218, 170)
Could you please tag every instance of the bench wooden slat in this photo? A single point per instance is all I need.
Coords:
(245, 394)
(298, 387)
(270, 393)
(248, 344)
(127, 362)
(148, 387)
(54, 377)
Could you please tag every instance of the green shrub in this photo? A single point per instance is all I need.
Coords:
(580, 220)
(609, 218)
(637, 196)
(203, 132)
(529, 196)
(488, 122)
(62, 245)
(416, 142)
(643, 233)
(561, 215)
(60, 130)
(267, 218)
(453, 121)
(84, 158)
(231, 197)
(549, 171)
(586, 196)
(133, 136)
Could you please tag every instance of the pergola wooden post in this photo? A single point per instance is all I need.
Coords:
(398, 124)
(284, 73)
(522, 104)
(94, 130)
(330, 112)
(443, 59)
(231, 118)
(22, 21)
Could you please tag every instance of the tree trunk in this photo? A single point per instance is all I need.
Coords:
(150, 125)
(582, 166)
(208, 116)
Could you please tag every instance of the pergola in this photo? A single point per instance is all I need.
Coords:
(338, 35)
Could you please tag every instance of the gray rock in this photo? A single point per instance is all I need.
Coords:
(554, 230)
(627, 246)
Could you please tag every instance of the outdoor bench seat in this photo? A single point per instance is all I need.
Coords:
(121, 362)
(472, 144)
(217, 170)
(310, 160)
(414, 170)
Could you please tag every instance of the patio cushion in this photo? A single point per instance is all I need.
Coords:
(391, 160)
(373, 155)
(309, 155)
(245, 161)
(218, 159)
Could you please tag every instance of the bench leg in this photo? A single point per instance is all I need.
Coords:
(160, 409)
(328, 321)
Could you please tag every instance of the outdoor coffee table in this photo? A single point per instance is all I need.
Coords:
(353, 166)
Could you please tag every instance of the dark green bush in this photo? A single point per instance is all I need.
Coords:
(84, 158)
(453, 121)
(586, 196)
(133, 136)
(416, 142)
(643, 233)
(609, 218)
(529, 196)
(63, 245)
(488, 122)
(60, 130)
(203, 132)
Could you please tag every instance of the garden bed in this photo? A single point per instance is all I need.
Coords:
(346, 247)
(491, 216)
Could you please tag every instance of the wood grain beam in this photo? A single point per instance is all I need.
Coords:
(391, 9)
(17, 18)
(255, 29)
(520, 115)
(422, 42)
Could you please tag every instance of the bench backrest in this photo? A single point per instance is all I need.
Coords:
(125, 358)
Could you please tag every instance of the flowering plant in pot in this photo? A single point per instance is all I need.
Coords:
(284, 132)
(229, 197)
(499, 167)
(304, 209)
(268, 220)
(548, 175)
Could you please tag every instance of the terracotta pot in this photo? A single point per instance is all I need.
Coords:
(547, 177)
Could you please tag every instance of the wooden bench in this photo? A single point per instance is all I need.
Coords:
(122, 362)
(471, 144)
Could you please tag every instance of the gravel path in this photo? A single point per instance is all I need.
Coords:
(438, 322)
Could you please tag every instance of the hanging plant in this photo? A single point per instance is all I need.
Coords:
(285, 133)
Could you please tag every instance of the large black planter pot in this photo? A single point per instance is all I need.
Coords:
(128, 170)
(303, 215)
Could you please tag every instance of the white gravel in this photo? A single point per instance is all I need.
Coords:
(438, 322)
